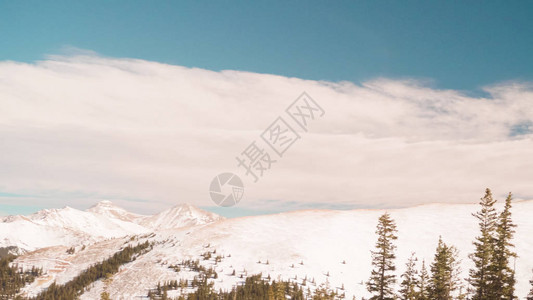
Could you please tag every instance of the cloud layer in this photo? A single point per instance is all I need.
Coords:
(85, 127)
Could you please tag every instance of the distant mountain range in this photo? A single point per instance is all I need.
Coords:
(312, 246)
(69, 226)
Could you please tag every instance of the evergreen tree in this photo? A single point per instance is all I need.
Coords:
(270, 293)
(423, 283)
(279, 290)
(504, 280)
(444, 279)
(381, 280)
(482, 275)
(13, 278)
(324, 292)
(73, 288)
(410, 280)
(530, 295)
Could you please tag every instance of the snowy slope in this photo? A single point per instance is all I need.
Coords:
(301, 244)
(28, 235)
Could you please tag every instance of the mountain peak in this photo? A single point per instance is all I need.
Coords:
(183, 206)
(104, 203)
(110, 210)
(181, 215)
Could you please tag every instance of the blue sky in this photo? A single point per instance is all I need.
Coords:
(458, 53)
(457, 45)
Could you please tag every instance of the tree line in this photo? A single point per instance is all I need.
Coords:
(75, 287)
(491, 278)
(13, 278)
(254, 287)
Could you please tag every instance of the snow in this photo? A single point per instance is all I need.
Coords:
(68, 226)
(320, 239)
(179, 216)
(108, 209)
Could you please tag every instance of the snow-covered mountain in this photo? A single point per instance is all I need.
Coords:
(108, 209)
(179, 216)
(327, 246)
(65, 226)
(68, 226)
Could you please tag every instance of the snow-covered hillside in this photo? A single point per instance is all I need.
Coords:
(327, 246)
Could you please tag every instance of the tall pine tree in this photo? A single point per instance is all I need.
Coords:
(482, 275)
(530, 295)
(444, 273)
(423, 283)
(382, 278)
(410, 280)
(504, 277)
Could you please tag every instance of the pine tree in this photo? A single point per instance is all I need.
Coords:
(410, 280)
(279, 291)
(482, 275)
(504, 280)
(381, 280)
(270, 293)
(530, 295)
(423, 283)
(444, 279)
(324, 292)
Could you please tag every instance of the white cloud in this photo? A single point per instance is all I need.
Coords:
(133, 129)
